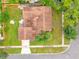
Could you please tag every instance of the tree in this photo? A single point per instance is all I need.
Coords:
(71, 17)
(68, 8)
(0, 11)
(0, 16)
(70, 32)
(50, 3)
(5, 16)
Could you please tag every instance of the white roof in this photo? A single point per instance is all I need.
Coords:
(33, 1)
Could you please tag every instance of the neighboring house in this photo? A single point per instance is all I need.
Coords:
(32, 1)
(36, 19)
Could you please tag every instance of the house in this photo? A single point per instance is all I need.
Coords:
(32, 1)
(36, 19)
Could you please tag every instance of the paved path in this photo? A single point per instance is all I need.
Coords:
(25, 47)
(37, 46)
(72, 53)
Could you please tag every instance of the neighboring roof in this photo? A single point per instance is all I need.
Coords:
(36, 19)
(32, 1)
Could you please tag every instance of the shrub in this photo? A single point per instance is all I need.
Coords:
(70, 32)
(44, 36)
(5, 16)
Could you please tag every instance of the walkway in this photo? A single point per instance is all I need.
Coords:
(25, 47)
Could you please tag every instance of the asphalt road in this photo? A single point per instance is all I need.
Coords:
(72, 53)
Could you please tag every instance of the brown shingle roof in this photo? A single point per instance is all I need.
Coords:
(36, 19)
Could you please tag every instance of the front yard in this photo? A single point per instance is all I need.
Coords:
(13, 50)
(47, 50)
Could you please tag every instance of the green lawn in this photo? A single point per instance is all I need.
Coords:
(13, 50)
(12, 32)
(66, 41)
(47, 50)
(57, 32)
(0, 1)
(13, 1)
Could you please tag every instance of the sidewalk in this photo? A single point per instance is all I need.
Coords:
(25, 47)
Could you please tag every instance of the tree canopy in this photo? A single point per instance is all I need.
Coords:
(5, 15)
(70, 32)
(71, 13)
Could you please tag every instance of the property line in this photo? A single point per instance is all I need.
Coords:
(39, 46)
(62, 29)
(49, 46)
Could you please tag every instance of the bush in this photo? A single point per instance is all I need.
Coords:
(5, 16)
(0, 17)
(44, 36)
(71, 17)
(70, 32)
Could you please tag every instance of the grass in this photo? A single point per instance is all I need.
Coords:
(12, 32)
(0, 1)
(47, 50)
(13, 1)
(13, 50)
(66, 41)
(57, 33)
